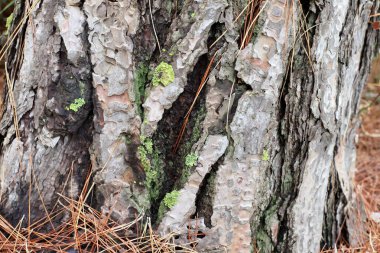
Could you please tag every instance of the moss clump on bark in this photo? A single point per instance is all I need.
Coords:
(152, 164)
(171, 198)
(186, 147)
(163, 74)
(141, 77)
(191, 160)
(168, 202)
(76, 105)
(8, 23)
(264, 242)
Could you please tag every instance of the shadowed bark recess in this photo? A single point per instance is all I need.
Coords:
(267, 156)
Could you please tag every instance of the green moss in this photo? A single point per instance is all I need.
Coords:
(170, 198)
(8, 22)
(186, 147)
(197, 129)
(265, 156)
(147, 143)
(264, 242)
(192, 15)
(153, 167)
(163, 74)
(76, 105)
(161, 212)
(168, 202)
(269, 220)
(143, 156)
(141, 76)
(191, 160)
(271, 213)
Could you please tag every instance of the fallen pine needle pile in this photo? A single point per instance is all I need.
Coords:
(83, 229)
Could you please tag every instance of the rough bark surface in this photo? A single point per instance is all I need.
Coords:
(268, 155)
(55, 71)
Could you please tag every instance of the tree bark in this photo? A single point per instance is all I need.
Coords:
(268, 155)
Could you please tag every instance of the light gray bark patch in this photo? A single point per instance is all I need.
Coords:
(111, 28)
(176, 219)
(307, 213)
(70, 21)
(242, 183)
(326, 60)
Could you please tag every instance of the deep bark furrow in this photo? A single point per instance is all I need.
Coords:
(183, 55)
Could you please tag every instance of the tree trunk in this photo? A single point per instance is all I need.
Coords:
(268, 153)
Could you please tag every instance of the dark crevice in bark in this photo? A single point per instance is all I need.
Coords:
(216, 35)
(168, 130)
(87, 129)
(205, 195)
(178, 6)
(334, 229)
(239, 90)
(282, 138)
(292, 137)
(162, 21)
(75, 82)
(305, 5)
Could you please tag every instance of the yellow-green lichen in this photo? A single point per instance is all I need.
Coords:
(76, 105)
(8, 22)
(171, 198)
(191, 160)
(265, 156)
(163, 74)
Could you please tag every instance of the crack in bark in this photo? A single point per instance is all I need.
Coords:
(205, 195)
(167, 132)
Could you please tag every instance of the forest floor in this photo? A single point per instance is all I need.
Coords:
(368, 148)
(367, 177)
